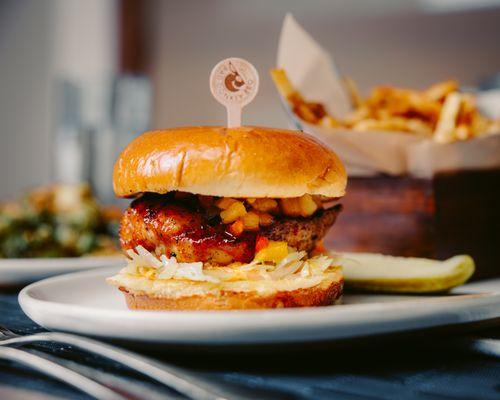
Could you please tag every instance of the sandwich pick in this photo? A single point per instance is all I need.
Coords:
(234, 83)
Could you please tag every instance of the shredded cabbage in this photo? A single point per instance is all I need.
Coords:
(295, 264)
(169, 268)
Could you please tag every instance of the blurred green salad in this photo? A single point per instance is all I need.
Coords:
(58, 221)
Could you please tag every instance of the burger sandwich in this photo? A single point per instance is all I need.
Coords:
(228, 218)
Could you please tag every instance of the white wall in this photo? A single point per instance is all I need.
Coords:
(25, 58)
(41, 40)
(85, 48)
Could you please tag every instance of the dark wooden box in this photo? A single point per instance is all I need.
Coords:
(454, 213)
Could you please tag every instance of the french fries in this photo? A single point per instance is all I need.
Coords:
(352, 88)
(308, 111)
(441, 111)
(445, 129)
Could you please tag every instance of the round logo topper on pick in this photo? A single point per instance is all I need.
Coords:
(234, 83)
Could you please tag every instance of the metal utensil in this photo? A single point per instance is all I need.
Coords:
(60, 372)
(174, 377)
(489, 347)
(121, 385)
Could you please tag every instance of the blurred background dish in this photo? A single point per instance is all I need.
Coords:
(58, 221)
(53, 230)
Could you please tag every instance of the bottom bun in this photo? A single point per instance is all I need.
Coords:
(327, 292)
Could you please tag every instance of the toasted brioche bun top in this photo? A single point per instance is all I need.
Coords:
(229, 162)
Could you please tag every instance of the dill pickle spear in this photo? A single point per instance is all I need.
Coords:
(381, 273)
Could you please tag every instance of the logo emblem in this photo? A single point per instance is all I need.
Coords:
(234, 83)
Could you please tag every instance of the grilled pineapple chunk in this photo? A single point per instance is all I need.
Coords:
(274, 252)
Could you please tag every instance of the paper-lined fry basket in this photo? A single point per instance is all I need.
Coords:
(312, 72)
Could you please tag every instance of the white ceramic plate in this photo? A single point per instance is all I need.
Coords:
(17, 271)
(83, 303)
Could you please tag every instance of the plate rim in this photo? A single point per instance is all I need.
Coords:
(18, 271)
(59, 260)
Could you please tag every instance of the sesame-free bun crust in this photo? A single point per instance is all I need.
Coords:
(327, 292)
(229, 162)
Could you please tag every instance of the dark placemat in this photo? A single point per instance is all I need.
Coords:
(426, 366)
